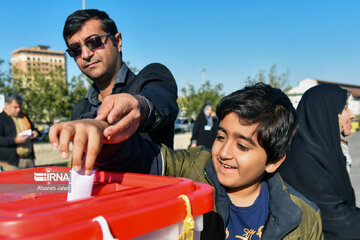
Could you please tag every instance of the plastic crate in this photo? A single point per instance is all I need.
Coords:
(132, 205)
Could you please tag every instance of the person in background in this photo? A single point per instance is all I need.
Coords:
(205, 128)
(136, 107)
(251, 199)
(16, 135)
(316, 165)
(345, 119)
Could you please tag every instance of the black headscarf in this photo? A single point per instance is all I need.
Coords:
(202, 136)
(316, 166)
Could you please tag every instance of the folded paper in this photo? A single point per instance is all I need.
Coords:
(80, 185)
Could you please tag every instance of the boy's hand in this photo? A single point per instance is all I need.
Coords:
(87, 136)
(123, 112)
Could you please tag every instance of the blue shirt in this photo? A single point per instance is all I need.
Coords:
(93, 92)
(248, 222)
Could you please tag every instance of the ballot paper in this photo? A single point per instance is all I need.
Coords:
(26, 132)
(80, 185)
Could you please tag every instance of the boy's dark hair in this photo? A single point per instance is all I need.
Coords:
(14, 96)
(77, 19)
(271, 109)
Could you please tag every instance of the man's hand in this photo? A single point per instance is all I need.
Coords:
(19, 139)
(122, 111)
(87, 137)
(34, 134)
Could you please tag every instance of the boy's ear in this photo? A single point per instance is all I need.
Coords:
(271, 167)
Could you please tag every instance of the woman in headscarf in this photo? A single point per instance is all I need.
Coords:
(205, 128)
(316, 165)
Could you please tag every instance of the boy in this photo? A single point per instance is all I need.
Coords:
(256, 128)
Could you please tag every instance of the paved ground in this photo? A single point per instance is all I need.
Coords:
(45, 154)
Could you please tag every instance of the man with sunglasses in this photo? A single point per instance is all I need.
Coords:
(137, 107)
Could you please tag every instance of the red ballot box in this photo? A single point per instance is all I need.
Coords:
(123, 205)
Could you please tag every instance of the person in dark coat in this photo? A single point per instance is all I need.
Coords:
(205, 128)
(16, 135)
(135, 107)
(316, 165)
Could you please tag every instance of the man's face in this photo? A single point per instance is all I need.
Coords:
(101, 63)
(239, 160)
(13, 108)
(345, 119)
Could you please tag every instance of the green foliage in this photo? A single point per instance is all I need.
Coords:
(46, 95)
(279, 81)
(193, 101)
(77, 90)
(5, 80)
(132, 68)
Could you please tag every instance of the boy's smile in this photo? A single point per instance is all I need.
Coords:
(239, 160)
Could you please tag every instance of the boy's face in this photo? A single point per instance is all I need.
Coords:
(239, 160)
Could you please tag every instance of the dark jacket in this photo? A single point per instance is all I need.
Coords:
(291, 215)
(202, 136)
(156, 83)
(316, 165)
(7, 140)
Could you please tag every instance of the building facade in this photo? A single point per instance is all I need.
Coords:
(38, 59)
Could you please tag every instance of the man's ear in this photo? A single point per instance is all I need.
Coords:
(271, 167)
(118, 40)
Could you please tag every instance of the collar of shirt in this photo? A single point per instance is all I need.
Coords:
(93, 92)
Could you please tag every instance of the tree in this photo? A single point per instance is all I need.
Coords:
(193, 101)
(279, 81)
(132, 68)
(46, 95)
(77, 90)
(5, 80)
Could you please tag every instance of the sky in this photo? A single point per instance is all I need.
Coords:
(231, 39)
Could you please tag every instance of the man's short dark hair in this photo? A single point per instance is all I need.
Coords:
(77, 19)
(271, 109)
(14, 96)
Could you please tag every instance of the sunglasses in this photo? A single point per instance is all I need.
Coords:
(92, 43)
